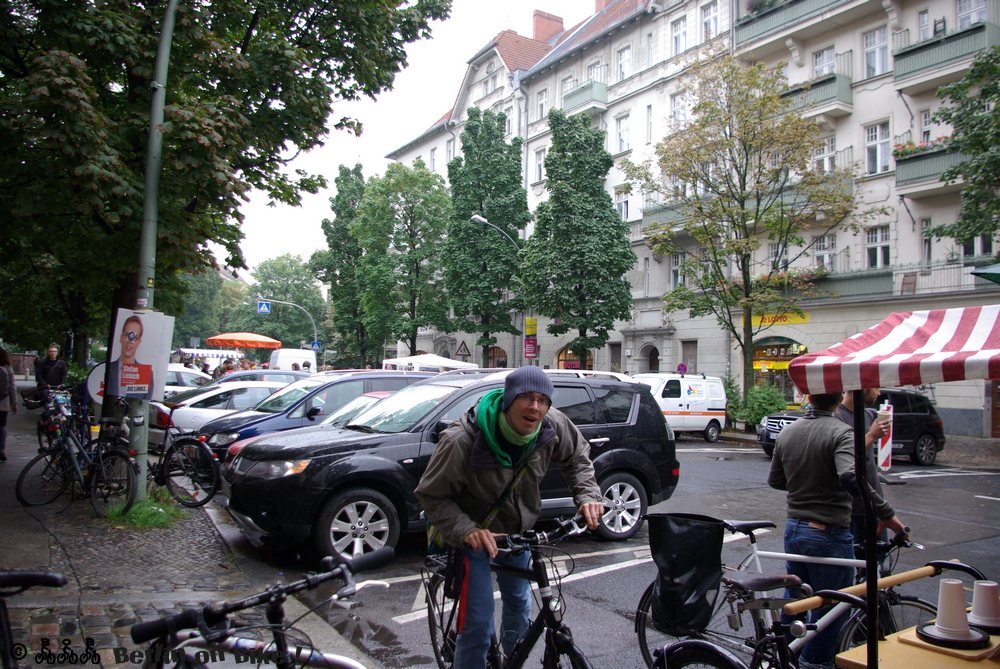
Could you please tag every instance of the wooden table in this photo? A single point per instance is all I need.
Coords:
(904, 650)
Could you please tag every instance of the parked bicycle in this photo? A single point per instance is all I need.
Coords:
(187, 468)
(101, 468)
(772, 649)
(209, 627)
(13, 583)
(559, 650)
(728, 628)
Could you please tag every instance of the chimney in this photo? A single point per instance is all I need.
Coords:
(546, 26)
(600, 4)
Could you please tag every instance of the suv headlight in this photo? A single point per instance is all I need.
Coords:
(223, 438)
(275, 469)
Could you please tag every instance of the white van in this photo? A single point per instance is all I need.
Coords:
(690, 402)
(284, 358)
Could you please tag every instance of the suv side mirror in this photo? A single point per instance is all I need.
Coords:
(313, 412)
(441, 426)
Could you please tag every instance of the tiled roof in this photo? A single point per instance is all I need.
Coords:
(617, 12)
(519, 53)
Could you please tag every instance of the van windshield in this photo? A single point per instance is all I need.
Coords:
(289, 396)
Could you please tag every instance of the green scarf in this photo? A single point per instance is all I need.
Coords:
(490, 418)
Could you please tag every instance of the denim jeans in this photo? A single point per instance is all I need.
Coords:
(515, 594)
(831, 542)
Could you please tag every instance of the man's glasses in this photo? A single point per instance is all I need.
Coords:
(534, 398)
(131, 335)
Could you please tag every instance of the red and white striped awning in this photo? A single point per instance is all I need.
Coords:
(907, 348)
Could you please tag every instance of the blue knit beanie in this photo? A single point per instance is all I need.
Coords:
(525, 380)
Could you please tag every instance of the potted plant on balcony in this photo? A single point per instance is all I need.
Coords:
(911, 148)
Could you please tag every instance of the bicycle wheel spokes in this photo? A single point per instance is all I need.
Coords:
(442, 614)
(904, 612)
(190, 473)
(42, 480)
(112, 483)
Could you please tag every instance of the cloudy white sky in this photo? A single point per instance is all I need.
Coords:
(424, 91)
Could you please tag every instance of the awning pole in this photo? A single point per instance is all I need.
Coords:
(871, 526)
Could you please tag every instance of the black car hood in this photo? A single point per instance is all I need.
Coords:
(314, 441)
(234, 421)
(788, 413)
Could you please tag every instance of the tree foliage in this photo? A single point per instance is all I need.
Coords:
(573, 267)
(338, 266)
(740, 176)
(400, 227)
(202, 310)
(250, 85)
(972, 109)
(485, 180)
(288, 279)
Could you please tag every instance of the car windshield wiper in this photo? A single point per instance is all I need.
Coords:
(358, 427)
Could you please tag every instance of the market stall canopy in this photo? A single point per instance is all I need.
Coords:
(243, 340)
(907, 348)
(426, 362)
(990, 273)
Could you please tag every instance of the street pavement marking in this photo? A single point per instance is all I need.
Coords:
(706, 449)
(992, 499)
(918, 474)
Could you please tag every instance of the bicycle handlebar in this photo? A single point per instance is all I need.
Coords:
(24, 579)
(531, 538)
(216, 612)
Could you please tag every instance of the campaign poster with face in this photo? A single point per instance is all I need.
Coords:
(140, 354)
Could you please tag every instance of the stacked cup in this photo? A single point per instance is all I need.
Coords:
(986, 606)
(952, 629)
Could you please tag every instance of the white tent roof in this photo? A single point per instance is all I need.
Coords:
(426, 361)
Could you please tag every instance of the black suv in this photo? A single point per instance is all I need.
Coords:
(350, 488)
(917, 430)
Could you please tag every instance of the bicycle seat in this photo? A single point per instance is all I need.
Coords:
(30, 579)
(747, 526)
(759, 583)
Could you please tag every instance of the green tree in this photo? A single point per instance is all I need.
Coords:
(339, 266)
(250, 86)
(200, 316)
(972, 109)
(485, 180)
(573, 267)
(741, 176)
(400, 227)
(288, 279)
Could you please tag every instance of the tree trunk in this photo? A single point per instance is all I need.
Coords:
(747, 351)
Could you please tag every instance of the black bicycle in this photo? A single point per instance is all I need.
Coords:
(187, 468)
(560, 650)
(13, 583)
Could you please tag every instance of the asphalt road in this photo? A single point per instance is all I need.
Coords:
(955, 513)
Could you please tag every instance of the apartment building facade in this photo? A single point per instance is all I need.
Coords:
(866, 71)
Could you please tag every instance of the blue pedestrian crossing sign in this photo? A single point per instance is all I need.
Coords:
(315, 346)
(263, 308)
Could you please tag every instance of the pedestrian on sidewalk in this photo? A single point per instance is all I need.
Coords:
(50, 372)
(8, 399)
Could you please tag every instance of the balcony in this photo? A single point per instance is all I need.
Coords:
(830, 95)
(590, 97)
(773, 22)
(942, 59)
(906, 281)
(919, 175)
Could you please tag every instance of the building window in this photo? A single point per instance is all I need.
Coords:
(676, 273)
(826, 155)
(621, 133)
(540, 164)
(597, 73)
(824, 62)
(824, 250)
(877, 247)
(709, 20)
(925, 234)
(876, 52)
(970, 12)
(649, 124)
(925, 126)
(433, 164)
(449, 150)
(565, 86)
(980, 245)
(621, 205)
(877, 148)
(508, 120)
(678, 110)
(542, 103)
(678, 32)
(624, 63)
(650, 49)
(777, 255)
(923, 25)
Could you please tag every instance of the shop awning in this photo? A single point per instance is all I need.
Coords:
(907, 348)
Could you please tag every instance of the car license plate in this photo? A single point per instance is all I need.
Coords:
(772, 435)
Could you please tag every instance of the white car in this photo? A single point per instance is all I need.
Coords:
(196, 406)
(181, 378)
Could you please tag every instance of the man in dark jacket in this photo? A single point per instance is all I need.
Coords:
(50, 372)
(475, 459)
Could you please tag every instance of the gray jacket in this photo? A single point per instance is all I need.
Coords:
(463, 479)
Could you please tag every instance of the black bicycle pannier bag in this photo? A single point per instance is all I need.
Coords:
(687, 551)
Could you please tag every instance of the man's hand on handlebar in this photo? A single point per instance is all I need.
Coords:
(591, 512)
(894, 525)
(482, 540)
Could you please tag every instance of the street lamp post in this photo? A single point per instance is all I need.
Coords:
(292, 304)
(476, 218)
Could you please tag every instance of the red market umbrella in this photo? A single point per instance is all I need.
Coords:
(243, 340)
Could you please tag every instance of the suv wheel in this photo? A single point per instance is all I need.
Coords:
(924, 450)
(712, 432)
(625, 498)
(356, 522)
(768, 449)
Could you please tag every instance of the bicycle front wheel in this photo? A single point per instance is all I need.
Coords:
(899, 612)
(42, 480)
(698, 658)
(112, 483)
(442, 620)
(565, 656)
(190, 472)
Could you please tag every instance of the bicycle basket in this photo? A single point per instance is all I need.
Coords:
(687, 551)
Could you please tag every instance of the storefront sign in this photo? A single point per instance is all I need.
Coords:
(790, 318)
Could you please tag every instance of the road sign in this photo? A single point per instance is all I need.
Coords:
(315, 346)
(263, 308)
(463, 351)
